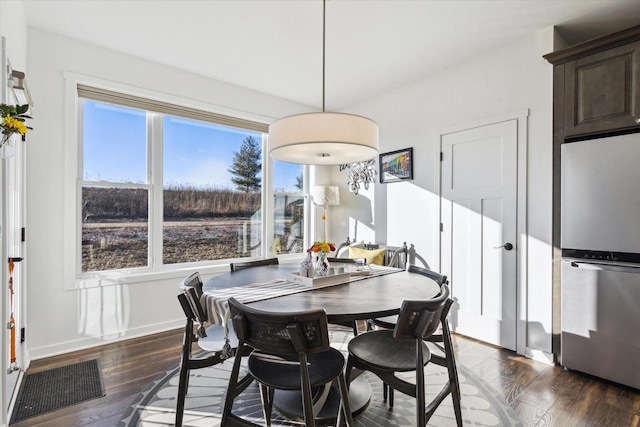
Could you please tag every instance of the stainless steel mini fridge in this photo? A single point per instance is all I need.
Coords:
(600, 237)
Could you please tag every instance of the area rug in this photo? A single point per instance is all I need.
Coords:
(155, 406)
(56, 388)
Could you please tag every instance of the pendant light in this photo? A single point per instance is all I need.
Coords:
(325, 138)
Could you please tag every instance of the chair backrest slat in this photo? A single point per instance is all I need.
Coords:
(198, 310)
(193, 281)
(186, 306)
(280, 333)
(237, 266)
(435, 276)
(420, 319)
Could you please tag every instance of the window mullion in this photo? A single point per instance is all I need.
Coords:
(155, 179)
(267, 200)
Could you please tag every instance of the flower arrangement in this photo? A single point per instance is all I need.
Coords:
(325, 247)
(13, 117)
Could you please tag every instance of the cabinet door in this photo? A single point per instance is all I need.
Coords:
(602, 91)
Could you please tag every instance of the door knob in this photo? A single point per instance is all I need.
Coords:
(507, 246)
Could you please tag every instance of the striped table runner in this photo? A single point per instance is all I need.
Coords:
(216, 301)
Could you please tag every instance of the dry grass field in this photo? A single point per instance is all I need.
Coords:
(199, 224)
(108, 246)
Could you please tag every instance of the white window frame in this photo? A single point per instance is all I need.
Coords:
(74, 278)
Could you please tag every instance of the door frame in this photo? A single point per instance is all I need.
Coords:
(521, 117)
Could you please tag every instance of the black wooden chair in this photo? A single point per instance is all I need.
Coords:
(389, 322)
(445, 358)
(292, 352)
(194, 282)
(237, 266)
(210, 338)
(403, 349)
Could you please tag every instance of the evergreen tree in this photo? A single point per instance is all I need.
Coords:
(299, 183)
(247, 165)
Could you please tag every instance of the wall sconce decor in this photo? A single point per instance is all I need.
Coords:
(360, 173)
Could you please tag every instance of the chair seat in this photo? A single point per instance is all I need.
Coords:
(388, 322)
(283, 372)
(380, 349)
(214, 341)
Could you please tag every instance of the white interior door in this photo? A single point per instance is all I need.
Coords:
(478, 210)
(12, 220)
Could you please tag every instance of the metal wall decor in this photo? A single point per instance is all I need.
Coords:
(360, 173)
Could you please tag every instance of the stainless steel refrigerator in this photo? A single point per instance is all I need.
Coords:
(600, 239)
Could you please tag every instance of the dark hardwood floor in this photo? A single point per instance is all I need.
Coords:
(540, 394)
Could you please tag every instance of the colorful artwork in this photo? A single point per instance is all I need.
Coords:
(396, 165)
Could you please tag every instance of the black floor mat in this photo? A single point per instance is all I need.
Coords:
(56, 388)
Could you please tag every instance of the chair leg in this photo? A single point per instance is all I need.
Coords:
(387, 393)
(182, 392)
(266, 394)
(452, 371)
(347, 371)
(183, 379)
(307, 403)
(231, 389)
(345, 405)
(455, 395)
(421, 415)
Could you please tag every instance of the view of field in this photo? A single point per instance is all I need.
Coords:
(200, 224)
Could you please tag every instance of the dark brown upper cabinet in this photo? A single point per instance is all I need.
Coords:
(600, 85)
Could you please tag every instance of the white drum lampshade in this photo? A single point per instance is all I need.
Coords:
(323, 139)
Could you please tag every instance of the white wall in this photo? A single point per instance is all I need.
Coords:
(505, 80)
(62, 320)
(509, 79)
(13, 25)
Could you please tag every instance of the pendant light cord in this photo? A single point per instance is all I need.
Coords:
(324, 20)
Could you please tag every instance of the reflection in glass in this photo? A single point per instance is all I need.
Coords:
(115, 228)
(205, 216)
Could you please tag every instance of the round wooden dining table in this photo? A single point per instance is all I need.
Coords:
(373, 296)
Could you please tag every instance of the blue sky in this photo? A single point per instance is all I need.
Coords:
(195, 153)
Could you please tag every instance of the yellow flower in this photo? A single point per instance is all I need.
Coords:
(13, 117)
(9, 122)
(22, 128)
(325, 247)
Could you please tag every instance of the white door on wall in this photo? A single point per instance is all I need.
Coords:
(12, 220)
(478, 211)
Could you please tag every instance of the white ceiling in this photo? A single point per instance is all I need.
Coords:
(275, 46)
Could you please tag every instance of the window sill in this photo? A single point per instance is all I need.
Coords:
(119, 278)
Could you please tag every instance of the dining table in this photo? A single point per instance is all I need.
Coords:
(358, 297)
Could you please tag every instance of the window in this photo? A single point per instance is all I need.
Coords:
(162, 185)
(288, 208)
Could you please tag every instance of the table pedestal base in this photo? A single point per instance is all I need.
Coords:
(289, 402)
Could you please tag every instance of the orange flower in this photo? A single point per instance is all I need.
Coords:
(322, 247)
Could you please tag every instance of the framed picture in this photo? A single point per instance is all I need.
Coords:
(396, 166)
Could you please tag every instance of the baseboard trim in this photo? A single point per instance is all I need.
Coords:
(89, 342)
(540, 356)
